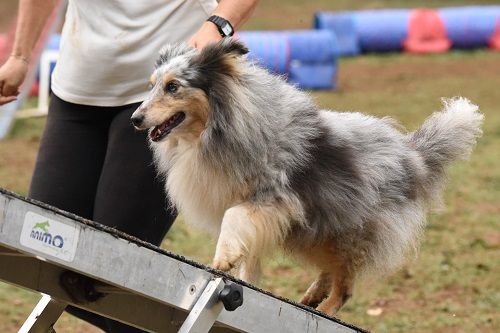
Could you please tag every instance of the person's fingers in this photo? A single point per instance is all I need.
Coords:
(9, 90)
(7, 99)
(12, 75)
(4, 94)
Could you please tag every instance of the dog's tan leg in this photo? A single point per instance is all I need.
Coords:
(250, 270)
(247, 231)
(340, 292)
(334, 285)
(318, 290)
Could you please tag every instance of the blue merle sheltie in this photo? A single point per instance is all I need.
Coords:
(254, 161)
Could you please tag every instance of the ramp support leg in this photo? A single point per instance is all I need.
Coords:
(44, 316)
(205, 311)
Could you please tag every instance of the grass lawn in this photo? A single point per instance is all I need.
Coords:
(453, 285)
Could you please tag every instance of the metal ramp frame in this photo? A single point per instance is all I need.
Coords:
(74, 261)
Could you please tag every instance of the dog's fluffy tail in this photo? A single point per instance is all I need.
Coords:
(447, 136)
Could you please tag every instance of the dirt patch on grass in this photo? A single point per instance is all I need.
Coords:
(408, 72)
(491, 240)
(400, 300)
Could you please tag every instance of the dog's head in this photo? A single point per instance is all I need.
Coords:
(183, 85)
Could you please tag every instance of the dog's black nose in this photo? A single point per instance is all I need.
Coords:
(137, 120)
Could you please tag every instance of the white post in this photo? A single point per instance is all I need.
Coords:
(48, 57)
(44, 316)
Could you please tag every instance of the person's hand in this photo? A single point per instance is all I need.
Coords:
(12, 75)
(207, 34)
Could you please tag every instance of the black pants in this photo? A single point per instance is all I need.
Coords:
(93, 163)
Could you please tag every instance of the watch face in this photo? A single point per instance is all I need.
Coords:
(226, 29)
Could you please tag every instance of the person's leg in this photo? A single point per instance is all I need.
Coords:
(130, 196)
(70, 157)
(69, 164)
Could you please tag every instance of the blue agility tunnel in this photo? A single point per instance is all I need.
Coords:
(313, 59)
(313, 76)
(382, 30)
(53, 44)
(344, 26)
(470, 27)
(312, 46)
(388, 29)
(366, 31)
(307, 57)
(270, 49)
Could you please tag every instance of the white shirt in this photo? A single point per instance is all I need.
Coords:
(109, 47)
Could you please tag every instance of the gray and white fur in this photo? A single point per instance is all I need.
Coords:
(344, 191)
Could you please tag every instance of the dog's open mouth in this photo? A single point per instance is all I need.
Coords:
(162, 130)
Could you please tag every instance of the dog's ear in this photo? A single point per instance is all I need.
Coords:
(232, 46)
(225, 47)
(220, 57)
(218, 67)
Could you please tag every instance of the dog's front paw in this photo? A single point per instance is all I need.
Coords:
(311, 300)
(226, 261)
(223, 265)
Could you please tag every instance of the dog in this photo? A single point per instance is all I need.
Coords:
(253, 160)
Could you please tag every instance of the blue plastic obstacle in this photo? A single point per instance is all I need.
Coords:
(270, 49)
(470, 27)
(307, 57)
(366, 31)
(344, 27)
(313, 59)
(53, 44)
(382, 30)
(387, 30)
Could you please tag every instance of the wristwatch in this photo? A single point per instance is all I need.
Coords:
(224, 26)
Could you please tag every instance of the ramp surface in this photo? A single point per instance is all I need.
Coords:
(141, 284)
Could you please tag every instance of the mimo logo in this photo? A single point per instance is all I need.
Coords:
(48, 236)
(40, 232)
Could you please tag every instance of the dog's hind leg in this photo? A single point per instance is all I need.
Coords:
(334, 285)
(318, 290)
(247, 231)
(340, 292)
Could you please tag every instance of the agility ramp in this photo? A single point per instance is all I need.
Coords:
(74, 261)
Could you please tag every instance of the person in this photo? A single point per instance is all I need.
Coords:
(91, 161)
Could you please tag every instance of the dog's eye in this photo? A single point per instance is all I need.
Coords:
(171, 87)
(150, 86)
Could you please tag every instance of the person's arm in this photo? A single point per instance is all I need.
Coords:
(236, 12)
(32, 16)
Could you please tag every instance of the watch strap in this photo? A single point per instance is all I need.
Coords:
(224, 26)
